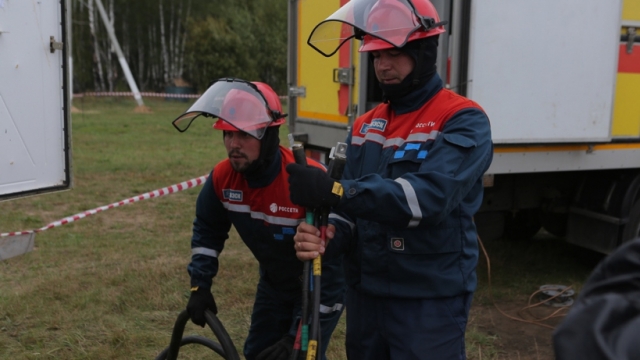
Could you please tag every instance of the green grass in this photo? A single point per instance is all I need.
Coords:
(111, 285)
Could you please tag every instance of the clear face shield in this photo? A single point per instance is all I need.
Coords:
(392, 21)
(237, 102)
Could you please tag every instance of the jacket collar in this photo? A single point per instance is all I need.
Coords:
(415, 99)
(267, 176)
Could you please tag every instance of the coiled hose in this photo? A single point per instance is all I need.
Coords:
(225, 348)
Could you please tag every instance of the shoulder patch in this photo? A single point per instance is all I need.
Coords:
(376, 124)
(232, 195)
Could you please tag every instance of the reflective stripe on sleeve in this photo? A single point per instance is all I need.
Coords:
(412, 201)
(341, 219)
(204, 251)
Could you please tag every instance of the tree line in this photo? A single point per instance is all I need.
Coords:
(179, 43)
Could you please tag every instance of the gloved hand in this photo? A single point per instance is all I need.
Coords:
(278, 351)
(311, 187)
(200, 300)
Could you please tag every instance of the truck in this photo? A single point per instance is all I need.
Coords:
(559, 81)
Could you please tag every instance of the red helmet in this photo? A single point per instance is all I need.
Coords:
(381, 24)
(239, 105)
(390, 19)
(242, 106)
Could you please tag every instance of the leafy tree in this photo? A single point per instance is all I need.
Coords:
(165, 40)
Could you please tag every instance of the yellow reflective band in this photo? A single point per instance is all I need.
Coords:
(337, 189)
(195, 288)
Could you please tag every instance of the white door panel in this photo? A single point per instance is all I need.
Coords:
(544, 71)
(34, 117)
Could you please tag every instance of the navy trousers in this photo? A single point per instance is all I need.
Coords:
(276, 314)
(391, 328)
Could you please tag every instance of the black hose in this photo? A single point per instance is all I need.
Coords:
(194, 339)
(221, 334)
(226, 349)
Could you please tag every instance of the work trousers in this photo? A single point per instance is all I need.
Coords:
(404, 329)
(276, 314)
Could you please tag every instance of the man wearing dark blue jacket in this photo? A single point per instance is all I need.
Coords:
(403, 211)
(249, 190)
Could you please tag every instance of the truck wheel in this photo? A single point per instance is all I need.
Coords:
(632, 228)
(522, 225)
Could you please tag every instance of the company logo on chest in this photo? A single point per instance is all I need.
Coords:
(376, 124)
(425, 125)
(275, 208)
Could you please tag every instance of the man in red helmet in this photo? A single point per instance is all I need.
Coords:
(403, 211)
(249, 190)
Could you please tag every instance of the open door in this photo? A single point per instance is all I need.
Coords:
(35, 148)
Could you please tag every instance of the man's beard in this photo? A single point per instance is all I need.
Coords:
(240, 167)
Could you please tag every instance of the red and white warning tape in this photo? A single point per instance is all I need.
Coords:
(143, 94)
(156, 193)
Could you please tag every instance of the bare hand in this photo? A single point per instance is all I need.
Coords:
(308, 243)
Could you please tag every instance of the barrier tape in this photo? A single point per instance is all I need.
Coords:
(144, 94)
(152, 194)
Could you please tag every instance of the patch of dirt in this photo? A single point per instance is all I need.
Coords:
(516, 340)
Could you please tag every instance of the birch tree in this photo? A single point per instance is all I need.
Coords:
(98, 79)
(165, 41)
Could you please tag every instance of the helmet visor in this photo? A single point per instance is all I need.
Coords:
(237, 102)
(392, 21)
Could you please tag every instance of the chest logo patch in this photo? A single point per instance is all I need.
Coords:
(397, 244)
(275, 208)
(232, 195)
(376, 124)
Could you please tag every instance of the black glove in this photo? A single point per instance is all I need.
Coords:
(200, 300)
(311, 187)
(278, 351)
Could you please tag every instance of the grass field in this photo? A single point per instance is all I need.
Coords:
(111, 285)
